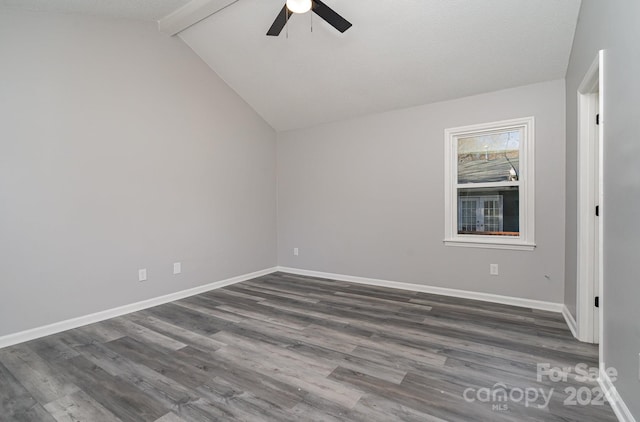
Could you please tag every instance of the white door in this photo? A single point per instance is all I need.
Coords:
(597, 247)
(591, 119)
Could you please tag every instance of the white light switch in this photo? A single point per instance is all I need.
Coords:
(177, 268)
(493, 269)
(142, 274)
(295, 251)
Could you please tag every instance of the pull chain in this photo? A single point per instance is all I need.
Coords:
(286, 24)
(311, 18)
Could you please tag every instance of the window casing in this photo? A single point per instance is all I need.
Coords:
(489, 185)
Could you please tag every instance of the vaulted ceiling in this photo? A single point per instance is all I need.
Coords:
(149, 10)
(398, 53)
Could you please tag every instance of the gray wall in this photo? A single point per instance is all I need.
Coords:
(614, 26)
(120, 149)
(364, 197)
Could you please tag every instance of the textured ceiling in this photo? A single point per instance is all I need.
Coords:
(149, 10)
(397, 54)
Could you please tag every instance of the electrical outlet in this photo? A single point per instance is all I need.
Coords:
(295, 251)
(177, 268)
(142, 274)
(493, 269)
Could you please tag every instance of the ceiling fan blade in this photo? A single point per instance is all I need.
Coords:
(329, 15)
(279, 23)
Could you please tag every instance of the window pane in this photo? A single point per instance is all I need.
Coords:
(489, 158)
(489, 211)
(467, 210)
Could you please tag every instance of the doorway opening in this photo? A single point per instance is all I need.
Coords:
(589, 301)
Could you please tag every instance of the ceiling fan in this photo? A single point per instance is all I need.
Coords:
(303, 6)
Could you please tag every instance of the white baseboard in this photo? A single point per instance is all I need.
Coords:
(571, 322)
(611, 393)
(34, 333)
(485, 297)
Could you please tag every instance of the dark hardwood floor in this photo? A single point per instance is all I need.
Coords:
(293, 348)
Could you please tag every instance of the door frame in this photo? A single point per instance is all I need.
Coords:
(590, 145)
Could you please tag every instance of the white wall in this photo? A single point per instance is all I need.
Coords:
(364, 197)
(120, 149)
(614, 26)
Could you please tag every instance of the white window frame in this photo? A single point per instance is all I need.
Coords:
(526, 183)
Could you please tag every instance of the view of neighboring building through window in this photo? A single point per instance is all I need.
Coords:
(491, 160)
(489, 183)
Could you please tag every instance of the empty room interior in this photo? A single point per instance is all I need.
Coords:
(259, 210)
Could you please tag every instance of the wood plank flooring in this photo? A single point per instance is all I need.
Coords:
(291, 348)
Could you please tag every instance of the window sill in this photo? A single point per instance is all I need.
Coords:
(490, 244)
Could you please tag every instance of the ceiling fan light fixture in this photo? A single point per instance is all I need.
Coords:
(299, 6)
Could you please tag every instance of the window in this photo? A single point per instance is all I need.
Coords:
(489, 193)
